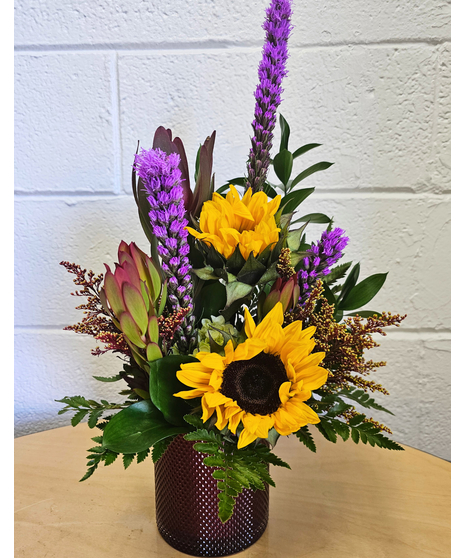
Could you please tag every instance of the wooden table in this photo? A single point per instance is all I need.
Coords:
(345, 501)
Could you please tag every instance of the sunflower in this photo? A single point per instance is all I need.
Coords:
(248, 222)
(263, 383)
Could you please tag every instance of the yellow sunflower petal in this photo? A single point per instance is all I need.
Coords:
(245, 439)
(249, 323)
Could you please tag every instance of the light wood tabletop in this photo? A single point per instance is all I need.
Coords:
(345, 501)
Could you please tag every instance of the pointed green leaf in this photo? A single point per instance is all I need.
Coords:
(138, 427)
(285, 133)
(362, 293)
(292, 201)
(237, 291)
(311, 170)
(304, 149)
(350, 282)
(251, 271)
(282, 164)
(314, 218)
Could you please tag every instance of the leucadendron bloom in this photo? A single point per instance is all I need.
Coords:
(261, 384)
(231, 221)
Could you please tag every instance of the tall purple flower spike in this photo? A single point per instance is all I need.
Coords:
(162, 181)
(271, 72)
(321, 257)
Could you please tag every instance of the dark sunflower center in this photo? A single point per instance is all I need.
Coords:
(255, 383)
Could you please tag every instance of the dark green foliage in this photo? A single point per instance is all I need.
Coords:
(306, 438)
(366, 432)
(236, 469)
(87, 408)
(137, 428)
(164, 383)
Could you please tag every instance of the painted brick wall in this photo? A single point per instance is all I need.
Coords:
(369, 80)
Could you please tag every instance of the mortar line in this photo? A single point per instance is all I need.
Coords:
(421, 333)
(336, 193)
(213, 45)
(115, 117)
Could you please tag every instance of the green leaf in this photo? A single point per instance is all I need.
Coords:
(128, 458)
(94, 416)
(138, 427)
(356, 420)
(205, 273)
(109, 379)
(143, 455)
(337, 273)
(304, 149)
(206, 447)
(327, 430)
(350, 282)
(292, 201)
(164, 383)
(306, 438)
(78, 417)
(282, 164)
(269, 190)
(194, 420)
(251, 271)
(308, 172)
(362, 399)
(285, 133)
(212, 299)
(342, 429)
(314, 218)
(110, 457)
(159, 448)
(202, 435)
(237, 291)
(363, 292)
(214, 461)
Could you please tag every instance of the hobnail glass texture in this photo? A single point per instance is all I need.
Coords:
(186, 499)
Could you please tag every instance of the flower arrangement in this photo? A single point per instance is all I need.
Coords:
(233, 330)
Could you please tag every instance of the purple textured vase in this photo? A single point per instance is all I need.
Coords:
(186, 499)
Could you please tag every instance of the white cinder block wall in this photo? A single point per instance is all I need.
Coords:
(367, 79)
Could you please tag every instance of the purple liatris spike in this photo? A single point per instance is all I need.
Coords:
(162, 181)
(321, 257)
(271, 72)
